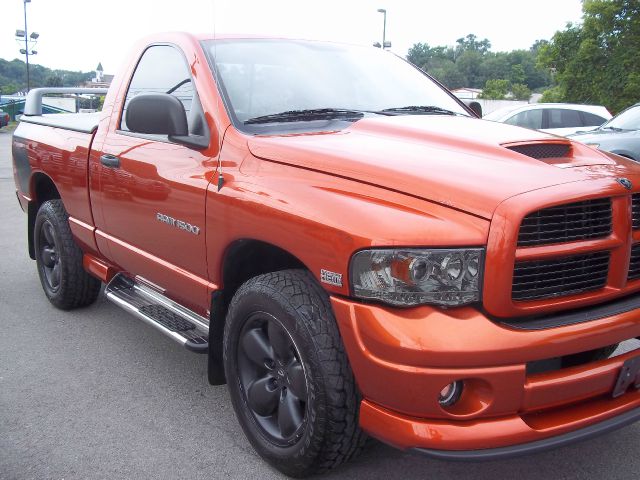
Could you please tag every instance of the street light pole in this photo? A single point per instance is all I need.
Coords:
(26, 43)
(30, 41)
(384, 26)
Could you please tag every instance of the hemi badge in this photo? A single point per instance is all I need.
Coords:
(332, 278)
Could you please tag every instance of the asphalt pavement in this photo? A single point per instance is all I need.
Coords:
(95, 393)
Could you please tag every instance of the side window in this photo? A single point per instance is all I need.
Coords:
(562, 118)
(591, 120)
(528, 119)
(162, 69)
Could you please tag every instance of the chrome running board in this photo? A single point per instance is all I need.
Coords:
(172, 319)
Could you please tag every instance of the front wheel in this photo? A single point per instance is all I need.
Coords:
(64, 281)
(288, 375)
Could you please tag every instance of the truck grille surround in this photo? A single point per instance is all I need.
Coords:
(600, 242)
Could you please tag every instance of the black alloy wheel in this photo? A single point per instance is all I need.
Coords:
(49, 256)
(288, 375)
(272, 377)
(64, 280)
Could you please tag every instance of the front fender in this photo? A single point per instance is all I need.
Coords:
(322, 220)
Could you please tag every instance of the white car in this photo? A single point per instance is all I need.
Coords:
(556, 118)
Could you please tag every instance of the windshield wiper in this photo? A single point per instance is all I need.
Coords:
(420, 109)
(308, 115)
(178, 85)
(613, 129)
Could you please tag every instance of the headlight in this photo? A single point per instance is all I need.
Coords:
(408, 277)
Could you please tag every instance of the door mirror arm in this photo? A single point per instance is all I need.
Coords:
(198, 142)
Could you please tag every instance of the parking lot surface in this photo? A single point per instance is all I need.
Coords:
(94, 393)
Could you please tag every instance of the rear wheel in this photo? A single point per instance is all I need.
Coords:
(59, 259)
(289, 379)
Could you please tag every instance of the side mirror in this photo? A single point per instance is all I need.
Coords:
(157, 114)
(162, 114)
(475, 107)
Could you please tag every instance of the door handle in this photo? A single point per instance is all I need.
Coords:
(110, 161)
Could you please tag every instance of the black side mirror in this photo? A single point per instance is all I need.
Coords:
(161, 114)
(475, 107)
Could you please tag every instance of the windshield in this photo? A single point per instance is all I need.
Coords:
(627, 120)
(268, 77)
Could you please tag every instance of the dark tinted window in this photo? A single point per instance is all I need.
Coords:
(562, 118)
(528, 119)
(591, 120)
(162, 69)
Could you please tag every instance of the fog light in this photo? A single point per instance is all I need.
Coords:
(450, 394)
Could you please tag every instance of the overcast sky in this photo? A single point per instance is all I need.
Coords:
(76, 35)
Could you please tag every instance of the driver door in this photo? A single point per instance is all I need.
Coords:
(152, 192)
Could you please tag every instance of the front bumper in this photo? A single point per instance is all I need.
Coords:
(402, 359)
(537, 446)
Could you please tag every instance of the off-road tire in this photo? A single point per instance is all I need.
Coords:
(73, 286)
(329, 434)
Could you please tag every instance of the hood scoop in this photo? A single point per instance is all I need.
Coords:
(542, 151)
(560, 153)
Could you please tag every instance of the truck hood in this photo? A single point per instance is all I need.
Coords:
(460, 162)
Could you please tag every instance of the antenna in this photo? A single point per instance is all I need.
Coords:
(215, 79)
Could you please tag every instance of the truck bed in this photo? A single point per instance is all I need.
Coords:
(58, 146)
(78, 122)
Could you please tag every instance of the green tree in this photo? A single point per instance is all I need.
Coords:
(517, 74)
(520, 91)
(471, 64)
(495, 89)
(553, 95)
(419, 54)
(597, 61)
(13, 76)
(495, 65)
(471, 43)
(537, 45)
(53, 81)
(9, 88)
(448, 74)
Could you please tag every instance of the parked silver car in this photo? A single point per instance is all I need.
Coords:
(619, 135)
(557, 118)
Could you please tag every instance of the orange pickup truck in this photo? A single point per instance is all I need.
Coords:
(355, 251)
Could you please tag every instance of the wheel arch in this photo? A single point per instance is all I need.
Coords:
(42, 188)
(243, 259)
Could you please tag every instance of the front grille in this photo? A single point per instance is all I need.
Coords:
(635, 210)
(566, 223)
(541, 151)
(538, 279)
(634, 264)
